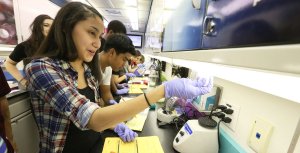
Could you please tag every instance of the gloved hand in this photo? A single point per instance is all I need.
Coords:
(122, 91)
(125, 133)
(189, 100)
(140, 65)
(123, 85)
(204, 81)
(129, 75)
(139, 71)
(112, 102)
(187, 88)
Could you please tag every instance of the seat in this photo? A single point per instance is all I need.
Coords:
(5, 146)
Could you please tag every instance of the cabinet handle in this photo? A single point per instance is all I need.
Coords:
(209, 26)
(196, 4)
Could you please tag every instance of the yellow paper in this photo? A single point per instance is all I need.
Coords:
(135, 90)
(150, 144)
(138, 121)
(111, 145)
(127, 147)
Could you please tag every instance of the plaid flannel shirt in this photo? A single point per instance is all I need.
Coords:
(56, 101)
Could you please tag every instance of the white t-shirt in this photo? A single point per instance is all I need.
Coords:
(106, 75)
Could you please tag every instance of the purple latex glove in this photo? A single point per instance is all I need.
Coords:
(140, 65)
(204, 81)
(123, 85)
(122, 91)
(112, 102)
(139, 71)
(129, 75)
(187, 88)
(125, 133)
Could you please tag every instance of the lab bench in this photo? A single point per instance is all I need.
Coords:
(165, 133)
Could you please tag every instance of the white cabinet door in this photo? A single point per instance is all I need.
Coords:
(25, 133)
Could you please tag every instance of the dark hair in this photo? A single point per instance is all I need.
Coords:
(116, 26)
(59, 42)
(36, 38)
(138, 53)
(120, 42)
(142, 59)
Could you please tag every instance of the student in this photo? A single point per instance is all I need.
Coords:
(140, 69)
(39, 30)
(64, 88)
(134, 61)
(5, 124)
(113, 27)
(107, 83)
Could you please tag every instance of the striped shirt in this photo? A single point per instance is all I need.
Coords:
(3, 148)
(56, 101)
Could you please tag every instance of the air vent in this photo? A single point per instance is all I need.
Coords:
(60, 3)
(113, 12)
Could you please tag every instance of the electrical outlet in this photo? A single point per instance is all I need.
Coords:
(234, 116)
(260, 135)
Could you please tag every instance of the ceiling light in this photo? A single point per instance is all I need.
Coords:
(133, 17)
(171, 4)
(131, 3)
(82, 1)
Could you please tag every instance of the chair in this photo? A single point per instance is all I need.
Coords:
(5, 146)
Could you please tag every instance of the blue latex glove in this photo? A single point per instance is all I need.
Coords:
(125, 133)
(122, 91)
(187, 88)
(112, 102)
(129, 75)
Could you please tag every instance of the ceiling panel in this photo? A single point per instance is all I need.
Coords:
(116, 10)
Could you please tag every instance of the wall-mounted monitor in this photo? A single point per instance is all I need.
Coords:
(137, 40)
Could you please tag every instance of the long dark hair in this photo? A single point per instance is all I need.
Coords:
(36, 38)
(59, 42)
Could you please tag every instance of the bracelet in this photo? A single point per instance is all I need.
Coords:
(147, 99)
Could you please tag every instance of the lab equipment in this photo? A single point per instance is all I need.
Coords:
(169, 112)
(125, 133)
(194, 138)
(190, 111)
